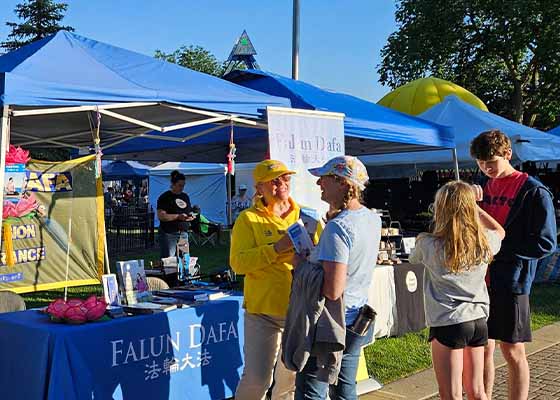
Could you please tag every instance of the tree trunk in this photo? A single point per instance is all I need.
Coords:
(517, 101)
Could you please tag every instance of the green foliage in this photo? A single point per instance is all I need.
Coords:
(194, 57)
(505, 53)
(40, 18)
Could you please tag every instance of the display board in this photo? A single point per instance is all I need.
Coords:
(305, 139)
(51, 212)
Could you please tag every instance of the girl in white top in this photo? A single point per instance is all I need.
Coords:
(456, 255)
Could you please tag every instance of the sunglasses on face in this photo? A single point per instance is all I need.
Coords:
(281, 179)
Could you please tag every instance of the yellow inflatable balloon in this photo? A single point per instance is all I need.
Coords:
(417, 96)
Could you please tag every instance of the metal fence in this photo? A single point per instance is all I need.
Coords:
(129, 229)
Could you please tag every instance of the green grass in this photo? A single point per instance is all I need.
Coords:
(545, 305)
(388, 359)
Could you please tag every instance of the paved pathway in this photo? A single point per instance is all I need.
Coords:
(544, 361)
(545, 377)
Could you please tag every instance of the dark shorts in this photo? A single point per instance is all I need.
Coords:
(458, 336)
(510, 318)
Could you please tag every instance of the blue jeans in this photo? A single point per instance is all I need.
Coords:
(168, 243)
(308, 387)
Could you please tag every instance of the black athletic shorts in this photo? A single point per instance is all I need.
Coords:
(458, 336)
(510, 318)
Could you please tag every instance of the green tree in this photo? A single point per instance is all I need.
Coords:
(40, 18)
(194, 57)
(506, 53)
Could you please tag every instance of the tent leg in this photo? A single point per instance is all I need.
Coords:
(455, 163)
(229, 211)
(4, 142)
(229, 217)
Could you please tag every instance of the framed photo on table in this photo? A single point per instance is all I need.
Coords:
(111, 289)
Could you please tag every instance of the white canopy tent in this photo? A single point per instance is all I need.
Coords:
(528, 144)
(206, 185)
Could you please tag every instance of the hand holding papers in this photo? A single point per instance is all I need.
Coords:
(300, 238)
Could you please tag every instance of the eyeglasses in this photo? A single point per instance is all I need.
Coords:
(281, 179)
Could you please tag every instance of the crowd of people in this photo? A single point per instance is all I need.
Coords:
(125, 195)
(306, 315)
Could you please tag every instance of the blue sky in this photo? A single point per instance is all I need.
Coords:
(340, 40)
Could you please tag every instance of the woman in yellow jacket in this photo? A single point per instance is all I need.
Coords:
(262, 251)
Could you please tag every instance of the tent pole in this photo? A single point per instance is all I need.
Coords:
(4, 142)
(229, 214)
(295, 40)
(455, 163)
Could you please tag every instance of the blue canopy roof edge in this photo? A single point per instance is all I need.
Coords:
(95, 72)
(124, 170)
(555, 131)
(364, 119)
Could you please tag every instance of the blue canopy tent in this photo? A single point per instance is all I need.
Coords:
(73, 92)
(369, 128)
(386, 130)
(555, 131)
(528, 144)
(119, 170)
(134, 94)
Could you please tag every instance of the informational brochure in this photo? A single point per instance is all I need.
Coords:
(300, 238)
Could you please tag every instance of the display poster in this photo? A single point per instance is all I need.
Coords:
(305, 139)
(40, 200)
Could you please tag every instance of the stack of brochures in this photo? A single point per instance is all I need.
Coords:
(192, 294)
(148, 308)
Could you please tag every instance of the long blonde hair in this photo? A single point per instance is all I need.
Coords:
(456, 223)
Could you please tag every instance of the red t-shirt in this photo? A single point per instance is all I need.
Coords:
(500, 193)
(499, 196)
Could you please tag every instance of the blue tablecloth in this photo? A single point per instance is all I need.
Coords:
(192, 353)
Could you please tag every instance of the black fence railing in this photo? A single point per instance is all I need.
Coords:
(129, 229)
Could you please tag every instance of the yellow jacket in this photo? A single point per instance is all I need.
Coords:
(268, 277)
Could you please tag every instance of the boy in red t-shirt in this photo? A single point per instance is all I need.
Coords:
(524, 207)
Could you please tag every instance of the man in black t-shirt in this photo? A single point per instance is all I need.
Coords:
(174, 213)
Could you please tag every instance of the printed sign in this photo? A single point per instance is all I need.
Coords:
(43, 202)
(305, 139)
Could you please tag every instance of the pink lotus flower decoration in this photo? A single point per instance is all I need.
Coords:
(9, 210)
(24, 206)
(77, 311)
(16, 155)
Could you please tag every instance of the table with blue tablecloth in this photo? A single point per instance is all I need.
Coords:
(189, 353)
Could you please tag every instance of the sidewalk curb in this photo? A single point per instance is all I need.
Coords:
(423, 385)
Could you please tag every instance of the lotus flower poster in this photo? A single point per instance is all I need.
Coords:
(36, 214)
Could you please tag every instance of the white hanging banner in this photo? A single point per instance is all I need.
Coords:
(305, 139)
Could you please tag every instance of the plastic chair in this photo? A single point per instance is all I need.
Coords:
(156, 283)
(10, 302)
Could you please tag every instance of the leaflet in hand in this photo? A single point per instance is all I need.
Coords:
(310, 218)
(300, 238)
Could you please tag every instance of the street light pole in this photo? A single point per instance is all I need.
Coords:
(295, 41)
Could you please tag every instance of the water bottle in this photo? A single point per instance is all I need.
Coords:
(183, 260)
(365, 318)
(187, 262)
